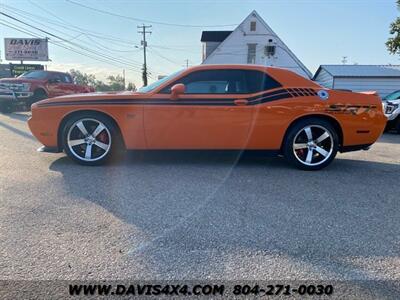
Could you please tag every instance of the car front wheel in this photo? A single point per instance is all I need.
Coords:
(311, 144)
(89, 139)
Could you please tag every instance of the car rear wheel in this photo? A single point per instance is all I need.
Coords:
(89, 139)
(311, 144)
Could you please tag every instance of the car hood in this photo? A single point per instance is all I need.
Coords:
(19, 80)
(397, 101)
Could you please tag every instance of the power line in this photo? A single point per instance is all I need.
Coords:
(93, 52)
(102, 47)
(71, 27)
(65, 47)
(147, 21)
(162, 56)
(88, 33)
(97, 45)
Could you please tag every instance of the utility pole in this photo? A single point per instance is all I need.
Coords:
(144, 44)
(187, 63)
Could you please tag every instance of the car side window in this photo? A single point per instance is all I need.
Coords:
(55, 78)
(229, 81)
(65, 78)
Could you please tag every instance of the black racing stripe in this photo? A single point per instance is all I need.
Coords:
(267, 98)
(313, 92)
(144, 102)
(299, 92)
(293, 92)
(259, 99)
(271, 98)
(267, 94)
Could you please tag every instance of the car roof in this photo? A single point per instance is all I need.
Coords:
(49, 72)
(228, 66)
(284, 76)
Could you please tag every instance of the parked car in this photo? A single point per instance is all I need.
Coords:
(7, 100)
(37, 85)
(232, 107)
(392, 111)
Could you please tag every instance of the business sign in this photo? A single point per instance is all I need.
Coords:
(26, 49)
(17, 70)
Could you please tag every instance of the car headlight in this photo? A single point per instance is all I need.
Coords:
(391, 107)
(25, 87)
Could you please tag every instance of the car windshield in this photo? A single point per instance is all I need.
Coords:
(154, 85)
(34, 75)
(393, 96)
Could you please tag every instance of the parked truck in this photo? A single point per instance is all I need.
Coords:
(37, 85)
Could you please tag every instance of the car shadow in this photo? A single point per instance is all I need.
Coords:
(17, 131)
(192, 204)
(390, 138)
(19, 116)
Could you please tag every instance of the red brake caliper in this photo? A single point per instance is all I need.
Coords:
(102, 137)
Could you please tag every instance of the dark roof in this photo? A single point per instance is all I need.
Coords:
(360, 70)
(214, 36)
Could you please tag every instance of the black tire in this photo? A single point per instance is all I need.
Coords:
(110, 134)
(37, 96)
(297, 134)
(397, 125)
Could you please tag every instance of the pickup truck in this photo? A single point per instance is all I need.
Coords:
(37, 85)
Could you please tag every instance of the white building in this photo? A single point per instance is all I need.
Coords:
(383, 79)
(252, 42)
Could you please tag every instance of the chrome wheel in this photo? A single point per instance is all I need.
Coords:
(313, 145)
(89, 140)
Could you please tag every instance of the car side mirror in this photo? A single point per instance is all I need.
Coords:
(177, 90)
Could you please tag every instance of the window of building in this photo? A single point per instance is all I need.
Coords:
(251, 53)
(253, 25)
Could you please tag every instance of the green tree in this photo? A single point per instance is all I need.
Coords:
(131, 87)
(116, 83)
(393, 43)
(83, 78)
(113, 83)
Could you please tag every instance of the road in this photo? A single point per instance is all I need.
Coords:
(196, 215)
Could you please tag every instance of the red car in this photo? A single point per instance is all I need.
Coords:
(37, 85)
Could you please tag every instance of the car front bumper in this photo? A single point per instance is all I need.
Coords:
(23, 95)
(7, 96)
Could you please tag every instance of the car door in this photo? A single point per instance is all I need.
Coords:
(211, 114)
(67, 85)
(54, 85)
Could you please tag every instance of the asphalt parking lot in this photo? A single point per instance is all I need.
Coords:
(196, 215)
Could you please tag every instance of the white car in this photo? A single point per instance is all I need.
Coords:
(392, 110)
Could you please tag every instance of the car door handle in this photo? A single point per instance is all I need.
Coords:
(241, 101)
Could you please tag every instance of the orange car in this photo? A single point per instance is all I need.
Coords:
(233, 107)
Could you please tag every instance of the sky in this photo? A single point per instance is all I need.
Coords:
(317, 31)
